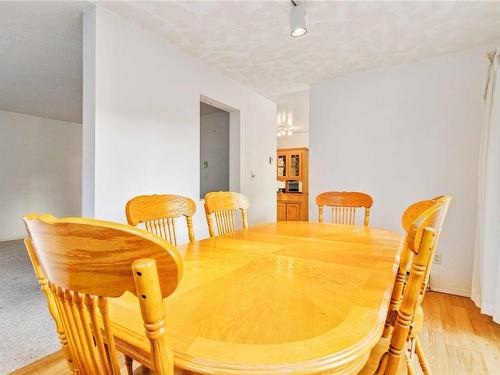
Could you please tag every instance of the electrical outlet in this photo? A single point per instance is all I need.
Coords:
(437, 258)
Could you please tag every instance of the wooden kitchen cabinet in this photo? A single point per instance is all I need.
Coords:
(293, 212)
(295, 162)
(292, 165)
(281, 211)
(282, 170)
(292, 207)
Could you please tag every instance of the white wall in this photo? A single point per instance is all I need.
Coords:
(147, 99)
(295, 108)
(294, 140)
(403, 134)
(214, 149)
(40, 165)
(88, 113)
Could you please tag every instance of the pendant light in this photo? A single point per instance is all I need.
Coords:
(297, 20)
(284, 124)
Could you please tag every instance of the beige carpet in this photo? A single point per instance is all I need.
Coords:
(27, 329)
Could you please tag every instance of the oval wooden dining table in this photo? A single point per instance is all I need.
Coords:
(281, 298)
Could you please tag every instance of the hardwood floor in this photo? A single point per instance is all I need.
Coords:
(457, 340)
(52, 364)
(55, 364)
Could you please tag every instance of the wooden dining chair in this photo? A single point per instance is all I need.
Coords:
(343, 205)
(80, 263)
(224, 205)
(409, 216)
(421, 241)
(158, 213)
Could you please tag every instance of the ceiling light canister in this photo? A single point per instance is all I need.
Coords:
(297, 20)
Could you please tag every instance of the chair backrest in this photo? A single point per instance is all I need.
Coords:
(158, 212)
(224, 205)
(421, 240)
(80, 263)
(413, 211)
(343, 205)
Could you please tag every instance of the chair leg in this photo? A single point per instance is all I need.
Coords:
(382, 365)
(128, 363)
(409, 363)
(421, 357)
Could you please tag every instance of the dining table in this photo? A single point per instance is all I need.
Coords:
(275, 298)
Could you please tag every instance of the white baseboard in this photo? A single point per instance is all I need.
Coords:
(11, 239)
(456, 292)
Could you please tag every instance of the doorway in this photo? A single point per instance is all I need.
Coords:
(219, 147)
(214, 149)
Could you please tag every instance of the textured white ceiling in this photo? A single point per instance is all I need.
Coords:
(41, 58)
(249, 40)
(41, 42)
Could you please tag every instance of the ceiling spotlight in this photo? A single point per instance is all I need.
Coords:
(297, 20)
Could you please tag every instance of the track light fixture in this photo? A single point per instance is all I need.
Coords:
(297, 20)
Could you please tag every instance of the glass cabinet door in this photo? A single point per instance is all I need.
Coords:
(295, 165)
(281, 166)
